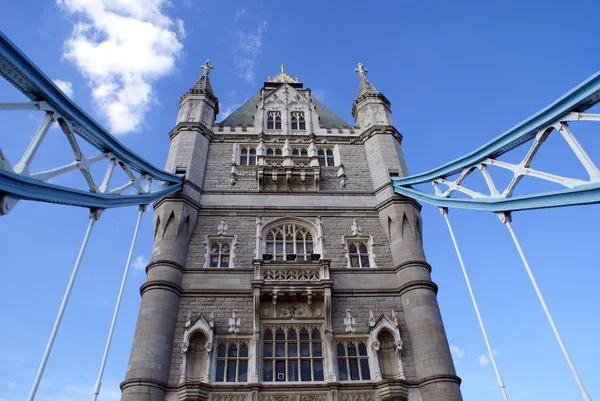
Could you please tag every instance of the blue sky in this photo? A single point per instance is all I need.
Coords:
(457, 74)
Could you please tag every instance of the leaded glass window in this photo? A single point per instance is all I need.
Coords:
(326, 157)
(358, 252)
(298, 121)
(292, 354)
(353, 361)
(274, 120)
(247, 157)
(289, 242)
(220, 253)
(232, 362)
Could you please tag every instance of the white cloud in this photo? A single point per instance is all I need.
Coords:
(250, 45)
(456, 352)
(230, 108)
(238, 14)
(65, 86)
(484, 359)
(319, 93)
(139, 263)
(122, 47)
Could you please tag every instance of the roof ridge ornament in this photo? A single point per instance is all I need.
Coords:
(282, 76)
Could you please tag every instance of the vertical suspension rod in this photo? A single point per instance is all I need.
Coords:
(506, 219)
(98, 385)
(94, 215)
(444, 211)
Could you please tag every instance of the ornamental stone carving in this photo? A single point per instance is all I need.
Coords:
(295, 397)
(293, 310)
(356, 396)
(229, 397)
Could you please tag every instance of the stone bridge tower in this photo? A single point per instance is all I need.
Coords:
(287, 268)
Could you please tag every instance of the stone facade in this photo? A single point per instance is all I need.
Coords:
(287, 269)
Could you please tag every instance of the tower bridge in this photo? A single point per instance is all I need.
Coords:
(261, 284)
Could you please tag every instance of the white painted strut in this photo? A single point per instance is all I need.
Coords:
(506, 219)
(483, 331)
(117, 305)
(94, 215)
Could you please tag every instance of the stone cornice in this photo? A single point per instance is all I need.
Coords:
(397, 199)
(143, 382)
(380, 130)
(165, 262)
(416, 284)
(161, 285)
(409, 263)
(178, 197)
(191, 127)
(438, 379)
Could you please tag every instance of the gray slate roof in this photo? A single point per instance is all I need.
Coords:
(243, 115)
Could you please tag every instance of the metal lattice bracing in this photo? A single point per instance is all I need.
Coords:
(533, 132)
(141, 182)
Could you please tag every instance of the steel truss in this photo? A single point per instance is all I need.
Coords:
(556, 117)
(570, 108)
(144, 183)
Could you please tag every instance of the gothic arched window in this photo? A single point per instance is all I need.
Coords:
(247, 157)
(232, 362)
(289, 242)
(358, 251)
(220, 252)
(296, 152)
(298, 121)
(274, 120)
(326, 157)
(292, 354)
(353, 361)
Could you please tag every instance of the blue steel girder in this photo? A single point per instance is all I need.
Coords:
(23, 74)
(557, 116)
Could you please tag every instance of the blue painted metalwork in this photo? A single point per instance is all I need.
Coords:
(579, 99)
(21, 72)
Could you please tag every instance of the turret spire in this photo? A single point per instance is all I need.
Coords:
(203, 86)
(364, 87)
(370, 107)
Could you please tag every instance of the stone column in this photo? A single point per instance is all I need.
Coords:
(401, 221)
(150, 359)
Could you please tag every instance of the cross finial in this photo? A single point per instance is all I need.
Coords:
(282, 68)
(362, 71)
(206, 67)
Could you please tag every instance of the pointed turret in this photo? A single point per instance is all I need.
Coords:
(199, 103)
(370, 107)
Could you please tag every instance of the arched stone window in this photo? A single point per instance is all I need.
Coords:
(326, 157)
(387, 355)
(289, 241)
(247, 157)
(358, 251)
(274, 120)
(197, 357)
(353, 361)
(298, 120)
(232, 362)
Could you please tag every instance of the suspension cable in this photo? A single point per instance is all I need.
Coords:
(98, 385)
(94, 216)
(506, 219)
(444, 211)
